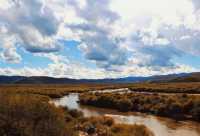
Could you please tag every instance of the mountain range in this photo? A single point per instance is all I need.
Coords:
(183, 77)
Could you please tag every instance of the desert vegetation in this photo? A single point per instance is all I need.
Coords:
(178, 106)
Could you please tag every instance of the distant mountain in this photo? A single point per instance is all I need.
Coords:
(45, 80)
(51, 80)
(183, 77)
(168, 78)
(10, 79)
(192, 77)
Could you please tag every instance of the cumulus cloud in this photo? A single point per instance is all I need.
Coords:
(8, 51)
(138, 33)
(94, 10)
(156, 34)
(10, 55)
(157, 57)
(183, 38)
(120, 37)
(57, 69)
(97, 43)
(33, 24)
(55, 58)
(102, 49)
(79, 71)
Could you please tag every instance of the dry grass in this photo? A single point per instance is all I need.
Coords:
(191, 87)
(30, 115)
(105, 126)
(25, 111)
(54, 90)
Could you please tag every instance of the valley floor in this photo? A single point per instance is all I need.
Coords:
(25, 109)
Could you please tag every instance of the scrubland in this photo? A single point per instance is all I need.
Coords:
(56, 90)
(26, 111)
(182, 87)
(59, 90)
(178, 106)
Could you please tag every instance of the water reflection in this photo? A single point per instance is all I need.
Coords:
(160, 126)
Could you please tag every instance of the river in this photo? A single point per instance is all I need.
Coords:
(158, 125)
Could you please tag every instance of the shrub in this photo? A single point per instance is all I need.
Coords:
(105, 126)
(29, 115)
(130, 130)
(124, 105)
(178, 106)
(196, 111)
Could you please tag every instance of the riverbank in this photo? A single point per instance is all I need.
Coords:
(22, 105)
(177, 106)
(31, 114)
(160, 126)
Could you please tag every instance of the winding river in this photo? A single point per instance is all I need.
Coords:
(158, 125)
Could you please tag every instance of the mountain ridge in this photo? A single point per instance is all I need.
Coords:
(182, 77)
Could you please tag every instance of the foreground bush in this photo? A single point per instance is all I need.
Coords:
(30, 115)
(33, 115)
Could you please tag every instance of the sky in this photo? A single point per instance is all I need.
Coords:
(95, 39)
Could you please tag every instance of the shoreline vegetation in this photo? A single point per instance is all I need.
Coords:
(189, 88)
(176, 106)
(31, 114)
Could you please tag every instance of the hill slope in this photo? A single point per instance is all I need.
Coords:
(193, 77)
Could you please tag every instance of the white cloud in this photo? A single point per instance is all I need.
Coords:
(136, 26)
(10, 55)
(78, 71)
(56, 58)
(8, 51)
(111, 33)
(32, 23)
(5, 4)
(196, 4)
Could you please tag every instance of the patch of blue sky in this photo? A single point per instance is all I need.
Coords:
(36, 61)
(188, 59)
(31, 60)
(74, 54)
